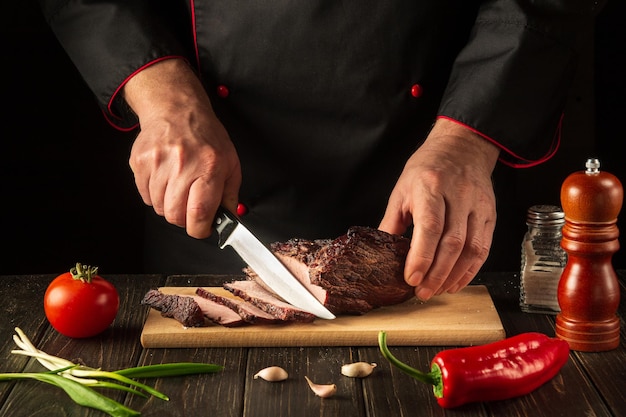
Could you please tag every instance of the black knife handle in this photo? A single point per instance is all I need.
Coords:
(225, 222)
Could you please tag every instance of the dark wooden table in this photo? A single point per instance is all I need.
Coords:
(590, 384)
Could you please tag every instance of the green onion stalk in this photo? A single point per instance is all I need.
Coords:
(78, 381)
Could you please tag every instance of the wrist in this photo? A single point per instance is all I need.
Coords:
(454, 135)
(164, 87)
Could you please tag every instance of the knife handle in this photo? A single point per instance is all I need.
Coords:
(225, 222)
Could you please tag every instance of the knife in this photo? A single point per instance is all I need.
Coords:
(231, 232)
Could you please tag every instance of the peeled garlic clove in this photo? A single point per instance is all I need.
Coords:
(358, 369)
(272, 374)
(323, 391)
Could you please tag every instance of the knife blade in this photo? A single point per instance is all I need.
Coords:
(231, 232)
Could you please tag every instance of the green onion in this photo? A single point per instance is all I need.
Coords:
(80, 393)
(78, 380)
(169, 369)
(95, 374)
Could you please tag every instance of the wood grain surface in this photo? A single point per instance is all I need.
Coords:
(465, 318)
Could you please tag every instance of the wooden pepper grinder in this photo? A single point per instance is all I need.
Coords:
(588, 291)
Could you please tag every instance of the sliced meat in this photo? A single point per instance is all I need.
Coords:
(183, 309)
(296, 255)
(267, 301)
(219, 313)
(248, 312)
(353, 274)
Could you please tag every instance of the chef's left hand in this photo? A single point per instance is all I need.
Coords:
(445, 191)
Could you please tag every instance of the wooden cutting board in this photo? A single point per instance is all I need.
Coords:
(465, 318)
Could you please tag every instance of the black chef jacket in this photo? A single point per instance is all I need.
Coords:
(325, 100)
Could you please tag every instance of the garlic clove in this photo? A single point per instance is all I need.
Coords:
(272, 374)
(320, 390)
(358, 369)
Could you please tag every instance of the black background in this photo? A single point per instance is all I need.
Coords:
(67, 192)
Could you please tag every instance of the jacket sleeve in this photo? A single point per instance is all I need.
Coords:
(511, 81)
(109, 41)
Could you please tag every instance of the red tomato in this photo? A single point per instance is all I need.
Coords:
(80, 303)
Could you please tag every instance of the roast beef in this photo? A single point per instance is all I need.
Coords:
(248, 312)
(183, 309)
(192, 311)
(219, 313)
(267, 301)
(352, 274)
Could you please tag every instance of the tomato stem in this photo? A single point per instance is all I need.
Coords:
(84, 272)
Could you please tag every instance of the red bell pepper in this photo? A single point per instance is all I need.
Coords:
(496, 371)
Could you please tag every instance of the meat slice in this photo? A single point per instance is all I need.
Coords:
(248, 312)
(352, 274)
(181, 308)
(219, 313)
(267, 301)
(191, 311)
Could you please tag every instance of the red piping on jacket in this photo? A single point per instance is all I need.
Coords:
(555, 146)
(116, 126)
(119, 88)
(192, 10)
(110, 113)
(556, 142)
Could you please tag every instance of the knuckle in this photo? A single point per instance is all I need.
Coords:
(437, 280)
(453, 243)
(476, 249)
(175, 219)
(432, 224)
(198, 212)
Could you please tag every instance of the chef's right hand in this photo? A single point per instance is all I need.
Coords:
(184, 162)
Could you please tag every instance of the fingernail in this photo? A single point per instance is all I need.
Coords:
(415, 279)
(424, 294)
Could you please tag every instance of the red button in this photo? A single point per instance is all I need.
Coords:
(222, 91)
(242, 210)
(416, 90)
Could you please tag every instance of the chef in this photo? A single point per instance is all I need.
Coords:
(307, 117)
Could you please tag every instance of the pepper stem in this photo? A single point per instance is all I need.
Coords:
(84, 272)
(432, 378)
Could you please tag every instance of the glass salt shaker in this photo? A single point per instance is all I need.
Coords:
(543, 260)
